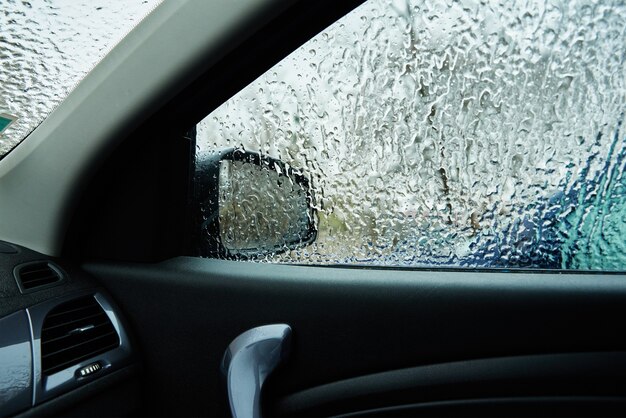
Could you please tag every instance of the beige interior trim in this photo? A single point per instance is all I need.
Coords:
(42, 178)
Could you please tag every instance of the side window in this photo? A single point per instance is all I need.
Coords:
(454, 134)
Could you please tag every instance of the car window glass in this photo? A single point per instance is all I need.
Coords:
(452, 134)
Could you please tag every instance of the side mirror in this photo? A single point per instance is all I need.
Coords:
(251, 205)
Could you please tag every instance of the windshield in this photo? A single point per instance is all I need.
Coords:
(47, 47)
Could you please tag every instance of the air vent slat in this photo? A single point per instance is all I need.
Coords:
(69, 311)
(29, 278)
(76, 347)
(73, 332)
(58, 325)
(69, 363)
(37, 269)
(42, 280)
(94, 330)
(34, 275)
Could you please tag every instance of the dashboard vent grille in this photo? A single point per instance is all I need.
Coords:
(35, 275)
(75, 331)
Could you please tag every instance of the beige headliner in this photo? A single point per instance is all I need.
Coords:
(42, 178)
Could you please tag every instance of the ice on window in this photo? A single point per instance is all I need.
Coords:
(452, 133)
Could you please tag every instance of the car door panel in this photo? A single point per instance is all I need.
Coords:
(350, 323)
(523, 380)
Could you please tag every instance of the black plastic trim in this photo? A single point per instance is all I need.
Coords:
(349, 322)
(554, 406)
(206, 239)
(537, 375)
(53, 266)
(46, 387)
(8, 248)
(86, 397)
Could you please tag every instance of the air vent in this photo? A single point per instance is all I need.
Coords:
(75, 331)
(32, 276)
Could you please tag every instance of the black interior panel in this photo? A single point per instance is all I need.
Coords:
(12, 300)
(507, 407)
(115, 395)
(349, 323)
(112, 394)
(550, 376)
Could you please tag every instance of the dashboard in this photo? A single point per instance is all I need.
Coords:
(59, 333)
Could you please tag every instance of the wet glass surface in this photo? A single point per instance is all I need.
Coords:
(454, 133)
(48, 46)
(248, 197)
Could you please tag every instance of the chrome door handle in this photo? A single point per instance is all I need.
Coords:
(247, 363)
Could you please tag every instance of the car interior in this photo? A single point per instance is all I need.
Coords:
(110, 305)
